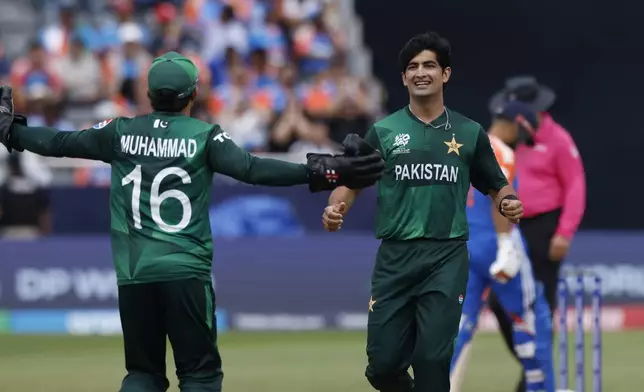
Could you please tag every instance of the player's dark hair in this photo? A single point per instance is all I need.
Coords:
(165, 100)
(427, 41)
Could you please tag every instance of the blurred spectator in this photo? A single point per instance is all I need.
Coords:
(293, 127)
(298, 11)
(143, 5)
(98, 34)
(318, 97)
(219, 69)
(5, 67)
(200, 107)
(292, 124)
(226, 32)
(269, 36)
(169, 35)
(56, 38)
(263, 76)
(129, 68)
(34, 75)
(48, 113)
(314, 46)
(123, 11)
(353, 110)
(338, 99)
(80, 72)
(244, 120)
(24, 204)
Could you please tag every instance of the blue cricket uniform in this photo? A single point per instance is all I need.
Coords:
(521, 297)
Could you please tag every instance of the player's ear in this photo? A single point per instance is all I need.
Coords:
(195, 93)
(404, 78)
(447, 73)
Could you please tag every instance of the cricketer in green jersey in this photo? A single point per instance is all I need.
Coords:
(432, 154)
(162, 169)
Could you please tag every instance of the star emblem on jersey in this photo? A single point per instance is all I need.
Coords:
(453, 146)
(331, 176)
(371, 303)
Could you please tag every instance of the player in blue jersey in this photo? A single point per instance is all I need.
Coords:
(499, 262)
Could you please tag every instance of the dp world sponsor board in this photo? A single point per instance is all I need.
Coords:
(312, 282)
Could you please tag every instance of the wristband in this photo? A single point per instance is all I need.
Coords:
(508, 197)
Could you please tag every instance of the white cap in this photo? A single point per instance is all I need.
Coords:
(130, 32)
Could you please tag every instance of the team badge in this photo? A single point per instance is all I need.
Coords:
(460, 299)
(453, 146)
(102, 124)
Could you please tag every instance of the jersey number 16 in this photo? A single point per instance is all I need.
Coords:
(157, 199)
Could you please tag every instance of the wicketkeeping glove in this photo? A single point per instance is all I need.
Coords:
(326, 171)
(355, 146)
(6, 115)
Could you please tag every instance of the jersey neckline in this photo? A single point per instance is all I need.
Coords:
(440, 122)
(171, 114)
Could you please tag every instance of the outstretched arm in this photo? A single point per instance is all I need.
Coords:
(322, 171)
(94, 143)
(227, 158)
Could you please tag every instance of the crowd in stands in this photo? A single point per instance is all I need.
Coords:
(273, 73)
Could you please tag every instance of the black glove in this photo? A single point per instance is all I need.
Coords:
(326, 172)
(6, 115)
(355, 146)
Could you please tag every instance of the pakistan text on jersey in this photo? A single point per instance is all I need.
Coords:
(426, 171)
(158, 147)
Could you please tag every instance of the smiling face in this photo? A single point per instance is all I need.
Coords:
(424, 76)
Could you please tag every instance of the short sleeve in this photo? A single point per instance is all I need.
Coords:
(485, 172)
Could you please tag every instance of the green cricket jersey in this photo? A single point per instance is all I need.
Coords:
(162, 169)
(429, 168)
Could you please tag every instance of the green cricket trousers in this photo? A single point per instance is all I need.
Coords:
(418, 289)
(184, 312)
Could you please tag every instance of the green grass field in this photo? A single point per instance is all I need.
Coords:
(275, 362)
